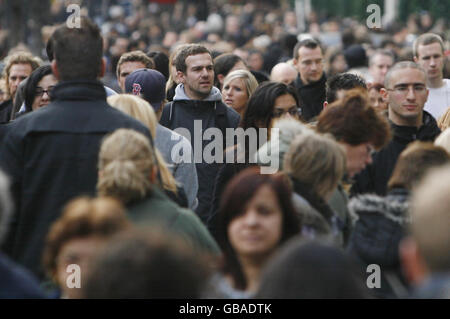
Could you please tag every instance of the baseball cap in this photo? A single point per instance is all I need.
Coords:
(149, 84)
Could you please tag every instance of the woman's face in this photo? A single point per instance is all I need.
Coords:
(285, 106)
(258, 230)
(44, 86)
(235, 94)
(77, 251)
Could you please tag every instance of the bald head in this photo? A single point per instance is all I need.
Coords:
(283, 72)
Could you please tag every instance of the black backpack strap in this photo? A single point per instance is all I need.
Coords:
(166, 116)
(221, 119)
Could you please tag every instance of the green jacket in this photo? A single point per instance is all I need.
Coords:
(158, 210)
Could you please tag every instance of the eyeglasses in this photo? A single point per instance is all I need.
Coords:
(40, 91)
(292, 111)
(404, 89)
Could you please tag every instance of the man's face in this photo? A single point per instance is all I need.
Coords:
(17, 74)
(199, 76)
(309, 64)
(406, 95)
(431, 58)
(126, 69)
(379, 68)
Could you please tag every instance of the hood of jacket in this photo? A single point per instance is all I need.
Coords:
(378, 226)
(180, 94)
(407, 134)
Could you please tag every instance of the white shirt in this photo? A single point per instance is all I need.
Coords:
(438, 100)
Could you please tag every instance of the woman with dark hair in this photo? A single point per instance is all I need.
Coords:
(38, 88)
(256, 217)
(269, 102)
(224, 64)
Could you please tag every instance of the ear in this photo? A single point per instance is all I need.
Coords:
(102, 68)
(220, 77)
(412, 262)
(325, 104)
(415, 59)
(384, 94)
(181, 77)
(55, 70)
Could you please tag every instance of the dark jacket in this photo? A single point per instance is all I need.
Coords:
(51, 157)
(374, 178)
(182, 113)
(312, 96)
(16, 282)
(224, 176)
(159, 211)
(379, 226)
(5, 111)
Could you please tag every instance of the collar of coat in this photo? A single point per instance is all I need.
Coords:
(79, 90)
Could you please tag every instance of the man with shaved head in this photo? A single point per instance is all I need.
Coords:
(406, 93)
(283, 72)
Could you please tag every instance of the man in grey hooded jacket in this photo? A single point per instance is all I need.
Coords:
(197, 107)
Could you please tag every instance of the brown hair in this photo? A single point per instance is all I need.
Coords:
(353, 121)
(414, 162)
(316, 160)
(239, 191)
(192, 49)
(425, 39)
(135, 56)
(83, 217)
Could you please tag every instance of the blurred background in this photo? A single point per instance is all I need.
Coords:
(270, 27)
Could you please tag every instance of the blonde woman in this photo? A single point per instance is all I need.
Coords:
(128, 172)
(172, 169)
(238, 87)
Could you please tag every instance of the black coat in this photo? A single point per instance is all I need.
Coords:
(5, 111)
(374, 178)
(182, 114)
(312, 96)
(51, 157)
(379, 226)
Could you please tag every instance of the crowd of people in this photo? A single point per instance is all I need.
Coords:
(233, 157)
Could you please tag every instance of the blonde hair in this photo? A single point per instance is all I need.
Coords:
(443, 140)
(125, 165)
(316, 160)
(444, 121)
(142, 111)
(430, 216)
(20, 57)
(172, 58)
(249, 79)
